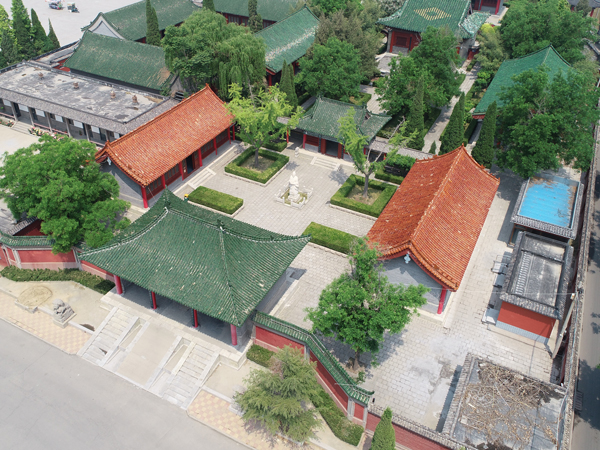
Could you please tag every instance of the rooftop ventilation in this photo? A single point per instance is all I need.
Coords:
(113, 95)
(41, 75)
(134, 100)
(76, 85)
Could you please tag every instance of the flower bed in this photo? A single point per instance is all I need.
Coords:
(330, 237)
(216, 200)
(6, 123)
(340, 198)
(235, 167)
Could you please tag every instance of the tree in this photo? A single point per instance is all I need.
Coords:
(389, 7)
(416, 118)
(433, 148)
(59, 182)
(40, 40)
(279, 398)
(255, 21)
(205, 49)
(491, 53)
(257, 116)
(435, 60)
(331, 6)
(152, 29)
(546, 123)
(484, 148)
(455, 130)
(22, 30)
(358, 307)
(529, 26)
(384, 437)
(287, 85)
(209, 5)
(52, 39)
(333, 71)
(5, 26)
(293, 96)
(9, 50)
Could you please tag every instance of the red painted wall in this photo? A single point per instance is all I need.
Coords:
(404, 39)
(11, 256)
(330, 383)
(33, 229)
(41, 256)
(94, 270)
(526, 320)
(275, 340)
(406, 437)
(3, 259)
(359, 411)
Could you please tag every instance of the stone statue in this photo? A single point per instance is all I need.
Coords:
(294, 194)
(62, 311)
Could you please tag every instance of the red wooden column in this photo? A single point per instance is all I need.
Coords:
(442, 300)
(498, 7)
(195, 319)
(287, 136)
(163, 181)
(200, 157)
(215, 145)
(229, 134)
(144, 196)
(233, 129)
(323, 145)
(233, 334)
(118, 285)
(340, 151)
(153, 300)
(181, 170)
(304, 140)
(270, 78)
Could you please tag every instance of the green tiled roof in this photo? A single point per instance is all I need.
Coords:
(130, 21)
(472, 23)
(273, 10)
(127, 61)
(25, 241)
(289, 39)
(206, 261)
(345, 381)
(417, 15)
(503, 78)
(322, 119)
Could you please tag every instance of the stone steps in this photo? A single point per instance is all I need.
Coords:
(328, 163)
(202, 177)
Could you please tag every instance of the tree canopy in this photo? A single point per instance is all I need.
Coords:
(333, 70)
(416, 118)
(455, 130)
(59, 182)
(483, 152)
(53, 40)
(39, 39)
(491, 53)
(152, 28)
(255, 21)
(331, 6)
(546, 123)
(530, 25)
(435, 60)
(358, 307)
(206, 49)
(22, 30)
(384, 437)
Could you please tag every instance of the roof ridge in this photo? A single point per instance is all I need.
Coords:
(121, 41)
(230, 290)
(289, 17)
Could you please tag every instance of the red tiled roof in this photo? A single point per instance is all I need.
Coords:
(437, 214)
(157, 146)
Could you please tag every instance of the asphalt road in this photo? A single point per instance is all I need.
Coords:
(586, 432)
(50, 400)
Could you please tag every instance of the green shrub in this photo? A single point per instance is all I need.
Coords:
(382, 175)
(277, 146)
(471, 64)
(260, 355)
(341, 427)
(384, 437)
(360, 99)
(340, 197)
(330, 237)
(216, 200)
(235, 168)
(469, 131)
(86, 279)
(401, 164)
(302, 98)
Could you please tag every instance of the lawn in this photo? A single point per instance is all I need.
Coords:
(350, 196)
(269, 163)
(216, 200)
(330, 237)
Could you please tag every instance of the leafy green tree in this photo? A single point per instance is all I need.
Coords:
(491, 53)
(5, 24)
(358, 307)
(278, 398)
(293, 96)
(152, 29)
(9, 53)
(257, 116)
(546, 123)
(255, 21)
(435, 60)
(331, 6)
(40, 40)
(59, 182)
(433, 148)
(287, 85)
(455, 130)
(208, 4)
(52, 39)
(416, 118)
(389, 7)
(384, 437)
(22, 30)
(205, 49)
(529, 26)
(333, 70)
(484, 148)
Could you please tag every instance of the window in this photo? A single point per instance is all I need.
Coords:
(172, 174)
(401, 41)
(154, 188)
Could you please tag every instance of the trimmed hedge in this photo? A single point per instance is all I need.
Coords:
(382, 175)
(235, 168)
(330, 237)
(339, 424)
(216, 200)
(84, 278)
(277, 146)
(340, 197)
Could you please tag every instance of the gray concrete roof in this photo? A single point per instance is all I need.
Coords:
(538, 275)
(90, 103)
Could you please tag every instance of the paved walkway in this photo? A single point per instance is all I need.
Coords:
(373, 103)
(438, 126)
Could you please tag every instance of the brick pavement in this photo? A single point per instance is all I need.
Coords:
(40, 324)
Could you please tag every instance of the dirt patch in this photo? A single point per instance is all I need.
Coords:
(263, 163)
(34, 296)
(356, 194)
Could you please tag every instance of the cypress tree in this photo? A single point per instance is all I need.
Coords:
(287, 84)
(416, 119)
(4, 21)
(293, 102)
(152, 30)
(209, 4)
(39, 38)
(255, 21)
(483, 152)
(455, 130)
(22, 30)
(52, 39)
(433, 148)
(9, 50)
(384, 437)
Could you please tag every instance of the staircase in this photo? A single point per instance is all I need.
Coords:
(108, 336)
(328, 163)
(187, 378)
(203, 176)
(179, 96)
(21, 127)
